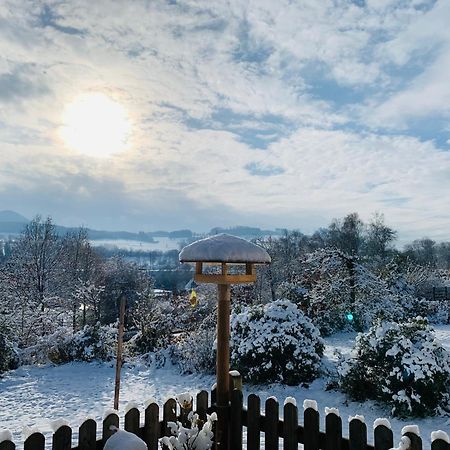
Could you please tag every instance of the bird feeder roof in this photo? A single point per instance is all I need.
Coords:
(224, 248)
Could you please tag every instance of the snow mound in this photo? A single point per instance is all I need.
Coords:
(28, 431)
(310, 404)
(131, 405)
(414, 429)
(55, 425)
(5, 435)
(149, 402)
(381, 422)
(290, 400)
(110, 411)
(435, 435)
(356, 417)
(331, 411)
(224, 248)
(124, 440)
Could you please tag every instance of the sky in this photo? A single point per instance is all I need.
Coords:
(261, 113)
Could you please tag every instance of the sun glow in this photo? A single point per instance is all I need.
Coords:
(95, 125)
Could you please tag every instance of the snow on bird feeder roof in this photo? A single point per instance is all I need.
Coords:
(226, 250)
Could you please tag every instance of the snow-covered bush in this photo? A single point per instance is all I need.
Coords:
(400, 364)
(436, 311)
(47, 348)
(275, 343)
(195, 351)
(94, 342)
(194, 435)
(8, 354)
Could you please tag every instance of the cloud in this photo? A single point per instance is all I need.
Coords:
(424, 44)
(19, 85)
(262, 113)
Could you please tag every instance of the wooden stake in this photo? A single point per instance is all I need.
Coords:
(123, 301)
(223, 366)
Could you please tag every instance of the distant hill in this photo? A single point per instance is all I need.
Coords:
(12, 217)
(248, 232)
(13, 223)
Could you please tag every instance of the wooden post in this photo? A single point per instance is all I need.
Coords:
(223, 366)
(119, 351)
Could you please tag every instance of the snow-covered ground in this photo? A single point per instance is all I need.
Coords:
(34, 396)
(161, 244)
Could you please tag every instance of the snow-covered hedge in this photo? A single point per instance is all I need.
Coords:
(94, 342)
(400, 364)
(275, 343)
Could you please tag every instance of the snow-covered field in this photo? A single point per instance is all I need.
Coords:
(35, 396)
(161, 244)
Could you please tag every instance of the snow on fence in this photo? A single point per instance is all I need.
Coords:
(249, 428)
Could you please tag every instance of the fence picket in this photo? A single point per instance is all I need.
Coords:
(290, 426)
(35, 442)
(202, 405)
(311, 423)
(288, 429)
(437, 444)
(9, 445)
(87, 435)
(151, 431)
(110, 420)
(357, 435)
(383, 438)
(169, 415)
(132, 421)
(237, 401)
(333, 432)
(271, 424)
(62, 438)
(253, 422)
(416, 441)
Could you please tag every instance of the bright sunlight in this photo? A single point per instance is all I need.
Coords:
(95, 125)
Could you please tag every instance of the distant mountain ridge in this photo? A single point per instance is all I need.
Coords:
(12, 217)
(14, 223)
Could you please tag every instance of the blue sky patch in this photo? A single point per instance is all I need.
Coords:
(263, 170)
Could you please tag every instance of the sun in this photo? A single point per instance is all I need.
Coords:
(95, 125)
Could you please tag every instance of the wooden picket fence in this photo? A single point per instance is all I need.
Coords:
(249, 428)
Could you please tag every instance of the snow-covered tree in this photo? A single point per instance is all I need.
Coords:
(341, 293)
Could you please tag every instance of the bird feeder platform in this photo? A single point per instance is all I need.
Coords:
(227, 252)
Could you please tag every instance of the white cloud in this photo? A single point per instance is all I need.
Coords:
(425, 42)
(177, 68)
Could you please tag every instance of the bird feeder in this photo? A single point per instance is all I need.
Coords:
(224, 260)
